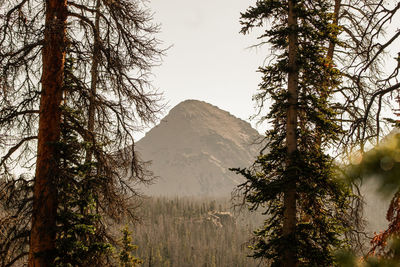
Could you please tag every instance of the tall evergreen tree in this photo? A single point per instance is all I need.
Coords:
(82, 238)
(294, 180)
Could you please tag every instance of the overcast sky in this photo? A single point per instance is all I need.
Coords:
(209, 60)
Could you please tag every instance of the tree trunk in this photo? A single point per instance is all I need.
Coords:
(93, 86)
(289, 222)
(43, 233)
(331, 48)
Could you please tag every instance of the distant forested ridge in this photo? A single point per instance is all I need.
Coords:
(193, 232)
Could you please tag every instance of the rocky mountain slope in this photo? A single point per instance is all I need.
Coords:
(193, 147)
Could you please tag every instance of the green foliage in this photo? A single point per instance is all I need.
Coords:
(381, 163)
(322, 198)
(126, 257)
(80, 240)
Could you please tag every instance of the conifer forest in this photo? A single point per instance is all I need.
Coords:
(318, 186)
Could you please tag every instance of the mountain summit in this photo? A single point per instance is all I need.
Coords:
(193, 147)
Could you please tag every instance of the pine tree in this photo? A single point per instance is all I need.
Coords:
(81, 238)
(126, 257)
(113, 96)
(295, 181)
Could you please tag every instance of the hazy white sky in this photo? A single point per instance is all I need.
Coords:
(209, 60)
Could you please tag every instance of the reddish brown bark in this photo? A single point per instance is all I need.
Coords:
(42, 238)
(289, 220)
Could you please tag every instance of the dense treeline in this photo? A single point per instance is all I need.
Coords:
(193, 232)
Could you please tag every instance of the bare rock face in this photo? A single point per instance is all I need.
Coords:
(192, 149)
(220, 218)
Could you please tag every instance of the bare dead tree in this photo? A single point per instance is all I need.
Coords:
(363, 98)
(367, 86)
(113, 95)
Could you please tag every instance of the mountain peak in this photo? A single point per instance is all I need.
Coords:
(199, 108)
(193, 147)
